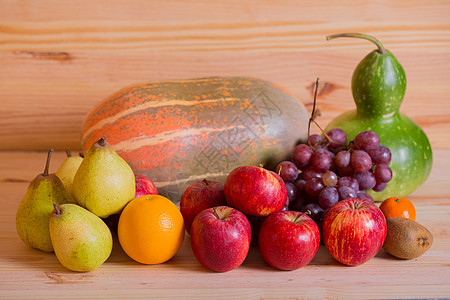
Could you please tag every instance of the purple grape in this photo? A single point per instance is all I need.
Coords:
(366, 180)
(349, 181)
(321, 160)
(346, 171)
(316, 211)
(379, 186)
(315, 140)
(286, 205)
(314, 186)
(342, 159)
(380, 155)
(291, 191)
(338, 138)
(333, 166)
(366, 140)
(363, 195)
(299, 202)
(338, 149)
(310, 172)
(329, 178)
(360, 161)
(300, 185)
(383, 173)
(287, 170)
(346, 192)
(302, 156)
(328, 197)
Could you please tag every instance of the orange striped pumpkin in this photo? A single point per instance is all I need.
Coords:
(177, 132)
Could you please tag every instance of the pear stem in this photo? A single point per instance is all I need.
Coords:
(68, 153)
(47, 164)
(101, 141)
(57, 210)
(380, 46)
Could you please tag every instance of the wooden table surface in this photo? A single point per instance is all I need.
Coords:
(30, 273)
(59, 58)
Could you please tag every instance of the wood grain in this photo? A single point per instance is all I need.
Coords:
(59, 58)
(30, 273)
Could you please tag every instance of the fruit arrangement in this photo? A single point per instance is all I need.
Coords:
(316, 189)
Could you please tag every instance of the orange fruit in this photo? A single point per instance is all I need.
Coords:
(398, 207)
(151, 229)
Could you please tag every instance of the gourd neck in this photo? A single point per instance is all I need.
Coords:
(378, 85)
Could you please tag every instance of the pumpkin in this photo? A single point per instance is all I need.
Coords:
(177, 132)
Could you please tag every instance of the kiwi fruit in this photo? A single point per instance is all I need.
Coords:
(406, 238)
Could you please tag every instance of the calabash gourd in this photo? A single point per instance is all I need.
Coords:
(178, 132)
(378, 87)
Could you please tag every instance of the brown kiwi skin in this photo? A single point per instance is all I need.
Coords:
(406, 239)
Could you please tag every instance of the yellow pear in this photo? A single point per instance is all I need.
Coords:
(104, 182)
(81, 240)
(66, 172)
(34, 209)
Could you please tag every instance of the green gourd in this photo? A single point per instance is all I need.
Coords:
(378, 87)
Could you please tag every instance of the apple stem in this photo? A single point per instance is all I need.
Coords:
(216, 214)
(308, 212)
(47, 164)
(57, 210)
(205, 181)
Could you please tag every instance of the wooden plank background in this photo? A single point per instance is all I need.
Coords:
(59, 58)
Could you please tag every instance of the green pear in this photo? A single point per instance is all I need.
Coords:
(81, 240)
(35, 208)
(104, 182)
(67, 170)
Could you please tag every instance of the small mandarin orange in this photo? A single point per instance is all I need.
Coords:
(398, 207)
(151, 229)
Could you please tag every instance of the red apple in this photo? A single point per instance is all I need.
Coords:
(354, 231)
(220, 238)
(144, 186)
(198, 196)
(255, 191)
(288, 240)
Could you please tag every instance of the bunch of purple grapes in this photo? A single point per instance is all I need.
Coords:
(328, 170)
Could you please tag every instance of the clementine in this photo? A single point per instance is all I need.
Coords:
(151, 229)
(398, 207)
